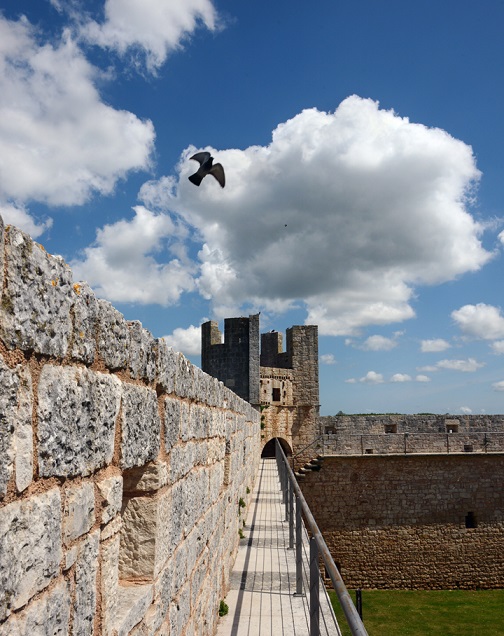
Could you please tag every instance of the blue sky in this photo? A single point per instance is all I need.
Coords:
(362, 144)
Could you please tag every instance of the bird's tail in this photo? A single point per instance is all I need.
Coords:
(196, 179)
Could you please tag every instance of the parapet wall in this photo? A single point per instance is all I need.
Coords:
(122, 465)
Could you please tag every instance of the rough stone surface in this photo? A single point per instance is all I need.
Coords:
(79, 511)
(84, 607)
(166, 366)
(171, 422)
(36, 301)
(77, 411)
(143, 350)
(133, 603)
(9, 383)
(85, 316)
(113, 336)
(109, 583)
(145, 536)
(140, 425)
(111, 489)
(23, 431)
(146, 478)
(48, 616)
(30, 548)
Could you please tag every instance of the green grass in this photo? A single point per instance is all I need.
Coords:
(429, 613)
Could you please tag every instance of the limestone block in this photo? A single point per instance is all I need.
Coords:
(133, 603)
(9, 383)
(111, 489)
(84, 606)
(145, 536)
(111, 528)
(109, 583)
(143, 351)
(79, 511)
(140, 425)
(30, 548)
(171, 422)
(23, 431)
(85, 316)
(184, 378)
(166, 368)
(77, 411)
(48, 616)
(113, 336)
(182, 460)
(37, 297)
(146, 478)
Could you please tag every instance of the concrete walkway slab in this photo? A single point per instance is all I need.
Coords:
(263, 582)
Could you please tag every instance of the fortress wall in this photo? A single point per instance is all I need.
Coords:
(407, 521)
(121, 465)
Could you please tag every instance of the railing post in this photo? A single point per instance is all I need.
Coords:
(291, 517)
(288, 488)
(299, 550)
(314, 588)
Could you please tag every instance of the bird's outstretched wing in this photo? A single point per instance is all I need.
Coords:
(201, 157)
(218, 172)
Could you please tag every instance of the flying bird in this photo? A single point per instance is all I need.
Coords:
(207, 166)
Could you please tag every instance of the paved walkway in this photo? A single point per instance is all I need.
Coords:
(261, 600)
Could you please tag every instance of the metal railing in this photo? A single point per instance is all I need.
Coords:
(318, 547)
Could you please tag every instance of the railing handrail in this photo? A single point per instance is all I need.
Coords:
(352, 616)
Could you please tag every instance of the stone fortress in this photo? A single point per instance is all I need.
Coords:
(403, 501)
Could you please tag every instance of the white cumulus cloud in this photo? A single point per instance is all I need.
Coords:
(19, 216)
(327, 358)
(347, 211)
(466, 410)
(434, 345)
(59, 141)
(498, 347)
(139, 260)
(480, 321)
(498, 386)
(378, 343)
(400, 377)
(467, 366)
(154, 27)
(422, 378)
(188, 341)
(372, 377)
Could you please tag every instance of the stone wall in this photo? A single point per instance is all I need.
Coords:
(121, 465)
(414, 521)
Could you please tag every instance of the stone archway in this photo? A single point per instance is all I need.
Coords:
(269, 448)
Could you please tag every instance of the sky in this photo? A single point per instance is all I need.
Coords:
(362, 147)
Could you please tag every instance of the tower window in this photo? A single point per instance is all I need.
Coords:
(275, 394)
(470, 520)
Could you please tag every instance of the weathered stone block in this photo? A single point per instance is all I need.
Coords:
(113, 336)
(30, 548)
(171, 422)
(146, 478)
(132, 605)
(145, 536)
(78, 514)
(143, 351)
(9, 383)
(166, 366)
(141, 426)
(48, 616)
(36, 301)
(109, 583)
(77, 411)
(23, 431)
(85, 316)
(84, 607)
(111, 489)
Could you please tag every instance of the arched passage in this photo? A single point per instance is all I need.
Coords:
(269, 448)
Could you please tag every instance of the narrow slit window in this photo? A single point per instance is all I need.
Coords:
(276, 394)
(470, 520)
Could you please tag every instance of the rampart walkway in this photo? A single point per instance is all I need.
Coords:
(263, 582)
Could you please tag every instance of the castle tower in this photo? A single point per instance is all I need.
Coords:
(285, 384)
(236, 360)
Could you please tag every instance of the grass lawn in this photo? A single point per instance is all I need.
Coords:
(429, 613)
